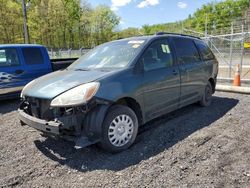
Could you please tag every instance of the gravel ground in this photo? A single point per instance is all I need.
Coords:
(191, 147)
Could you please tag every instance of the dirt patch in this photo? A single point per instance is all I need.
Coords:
(191, 147)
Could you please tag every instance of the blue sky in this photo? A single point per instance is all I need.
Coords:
(135, 13)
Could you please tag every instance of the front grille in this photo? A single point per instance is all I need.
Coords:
(40, 108)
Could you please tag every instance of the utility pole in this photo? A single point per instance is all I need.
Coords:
(25, 26)
(206, 27)
(242, 49)
(231, 50)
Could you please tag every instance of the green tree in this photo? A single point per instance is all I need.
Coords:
(103, 22)
(10, 22)
(75, 24)
(146, 29)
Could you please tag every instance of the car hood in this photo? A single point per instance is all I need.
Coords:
(53, 84)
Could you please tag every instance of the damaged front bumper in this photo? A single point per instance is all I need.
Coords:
(81, 124)
(50, 127)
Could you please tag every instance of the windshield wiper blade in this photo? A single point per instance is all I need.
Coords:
(82, 69)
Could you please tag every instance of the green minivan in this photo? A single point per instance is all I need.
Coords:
(105, 95)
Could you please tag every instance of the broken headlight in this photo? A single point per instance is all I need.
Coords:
(76, 96)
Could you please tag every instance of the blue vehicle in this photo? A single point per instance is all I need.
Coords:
(22, 63)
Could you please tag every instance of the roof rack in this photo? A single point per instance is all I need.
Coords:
(167, 33)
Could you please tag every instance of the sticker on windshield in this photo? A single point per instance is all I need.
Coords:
(136, 45)
(165, 48)
(136, 42)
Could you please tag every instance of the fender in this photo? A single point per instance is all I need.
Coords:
(93, 121)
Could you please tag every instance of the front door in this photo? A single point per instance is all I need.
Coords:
(161, 80)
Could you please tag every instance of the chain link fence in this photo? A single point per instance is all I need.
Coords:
(229, 47)
(230, 52)
(66, 53)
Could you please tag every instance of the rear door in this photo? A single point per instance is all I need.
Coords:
(35, 61)
(210, 62)
(161, 79)
(11, 70)
(191, 69)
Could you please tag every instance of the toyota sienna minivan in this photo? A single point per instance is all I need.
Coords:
(107, 94)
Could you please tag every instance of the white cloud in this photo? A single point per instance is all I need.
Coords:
(146, 3)
(116, 4)
(114, 8)
(182, 5)
(122, 22)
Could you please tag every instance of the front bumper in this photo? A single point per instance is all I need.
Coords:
(83, 125)
(51, 127)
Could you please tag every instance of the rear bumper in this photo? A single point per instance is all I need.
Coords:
(39, 124)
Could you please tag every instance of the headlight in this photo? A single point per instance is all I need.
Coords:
(21, 96)
(76, 96)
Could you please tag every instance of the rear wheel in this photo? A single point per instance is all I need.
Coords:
(206, 99)
(120, 129)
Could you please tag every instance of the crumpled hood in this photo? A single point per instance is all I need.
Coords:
(53, 84)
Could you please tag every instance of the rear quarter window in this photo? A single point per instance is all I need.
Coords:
(186, 51)
(33, 56)
(205, 51)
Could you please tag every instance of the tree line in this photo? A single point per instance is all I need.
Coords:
(75, 24)
(57, 23)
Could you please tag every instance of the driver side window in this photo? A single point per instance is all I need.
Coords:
(157, 55)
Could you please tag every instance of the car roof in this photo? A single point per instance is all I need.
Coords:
(19, 45)
(161, 35)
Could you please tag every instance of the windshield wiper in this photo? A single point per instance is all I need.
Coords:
(82, 69)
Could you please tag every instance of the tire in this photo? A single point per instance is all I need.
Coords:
(120, 129)
(206, 99)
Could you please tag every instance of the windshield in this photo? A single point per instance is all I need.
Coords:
(112, 55)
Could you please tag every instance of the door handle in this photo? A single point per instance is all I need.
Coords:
(19, 71)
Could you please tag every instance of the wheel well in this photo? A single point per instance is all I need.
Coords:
(212, 82)
(134, 105)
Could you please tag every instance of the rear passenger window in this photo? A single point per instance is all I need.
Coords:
(205, 51)
(158, 55)
(8, 57)
(32, 56)
(186, 51)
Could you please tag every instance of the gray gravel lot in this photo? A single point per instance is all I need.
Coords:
(191, 147)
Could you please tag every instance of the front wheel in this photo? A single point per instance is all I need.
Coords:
(206, 99)
(120, 129)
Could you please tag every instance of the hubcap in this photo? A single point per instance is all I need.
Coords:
(120, 130)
